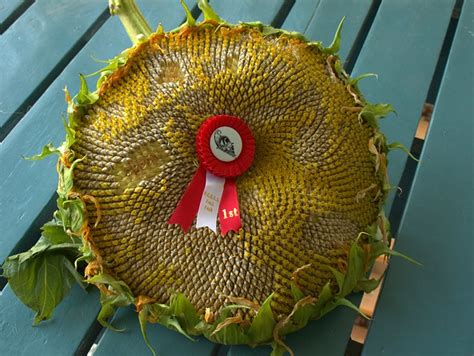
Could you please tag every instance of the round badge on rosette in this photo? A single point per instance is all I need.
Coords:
(225, 147)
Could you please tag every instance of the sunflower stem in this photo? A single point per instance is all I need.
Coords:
(132, 19)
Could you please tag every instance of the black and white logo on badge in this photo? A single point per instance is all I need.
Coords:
(226, 144)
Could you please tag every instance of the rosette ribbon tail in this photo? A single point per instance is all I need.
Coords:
(208, 197)
(229, 212)
(188, 206)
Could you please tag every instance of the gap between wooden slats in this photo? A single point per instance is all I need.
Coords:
(11, 10)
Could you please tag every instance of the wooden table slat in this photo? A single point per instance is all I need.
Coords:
(327, 17)
(428, 310)
(164, 341)
(300, 15)
(247, 10)
(7, 8)
(35, 44)
(403, 47)
(58, 336)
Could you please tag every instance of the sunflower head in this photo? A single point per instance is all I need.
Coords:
(309, 199)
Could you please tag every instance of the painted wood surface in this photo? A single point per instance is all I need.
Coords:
(35, 44)
(248, 10)
(7, 9)
(164, 341)
(428, 310)
(327, 16)
(59, 336)
(402, 47)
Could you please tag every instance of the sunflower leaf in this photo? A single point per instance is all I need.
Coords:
(185, 312)
(143, 320)
(355, 270)
(190, 21)
(47, 150)
(336, 42)
(368, 285)
(401, 146)
(371, 113)
(262, 325)
(338, 275)
(40, 281)
(354, 81)
(208, 11)
(85, 97)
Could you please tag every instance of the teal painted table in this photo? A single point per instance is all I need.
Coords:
(422, 50)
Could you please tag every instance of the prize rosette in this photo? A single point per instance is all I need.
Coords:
(225, 147)
(227, 180)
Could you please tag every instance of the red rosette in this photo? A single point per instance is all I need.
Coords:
(225, 148)
(207, 158)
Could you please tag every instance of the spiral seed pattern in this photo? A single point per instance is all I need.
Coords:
(300, 201)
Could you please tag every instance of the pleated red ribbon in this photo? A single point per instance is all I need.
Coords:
(225, 147)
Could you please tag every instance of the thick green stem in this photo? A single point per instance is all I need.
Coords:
(132, 19)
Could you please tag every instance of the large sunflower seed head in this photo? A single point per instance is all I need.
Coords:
(301, 200)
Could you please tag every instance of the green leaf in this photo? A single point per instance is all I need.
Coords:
(76, 214)
(118, 295)
(336, 42)
(43, 246)
(354, 81)
(122, 295)
(355, 270)
(47, 150)
(380, 248)
(371, 113)
(230, 307)
(112, 65)
(301, 316)
(296, 292)
(277, 349)
(107, 311)
(85, 97)
(232, 334)
(71, 214)
(344, 302)
(66, 181)
(143, 319)
(324, 297)
(261, 329)
(338, 275)
(401, 146)
(172, 323)
(54, 233)
(190, 21)
(270, 31)
(70, 134)
(368, 285)
(77, 276)
(405, 257)
(208, 11)
(184, 311)
(341, 73)
(40, 282)
(86, 255)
